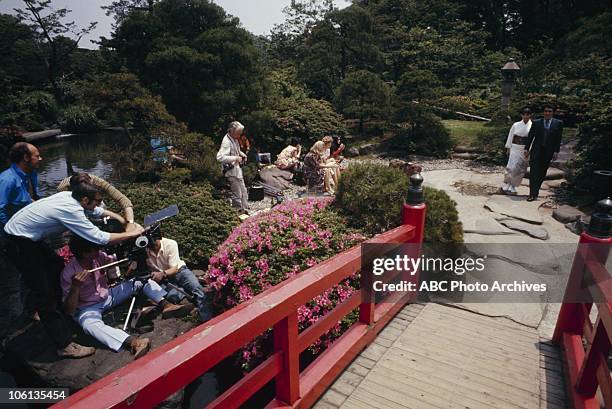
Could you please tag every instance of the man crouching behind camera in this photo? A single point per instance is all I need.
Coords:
(231, 157)
(86, 295)
(40, 266)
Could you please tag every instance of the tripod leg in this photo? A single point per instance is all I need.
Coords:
(127, 319)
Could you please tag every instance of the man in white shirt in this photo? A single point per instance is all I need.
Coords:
(166, 266)
(231, 157)
(515, 147)
(40, 266)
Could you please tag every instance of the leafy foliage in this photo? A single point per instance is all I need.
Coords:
(594, 153)
(120, 100)
(170, 42)
(363, 95)
(291, 114)
(79, 119)
(200, 153)
(272, 247)
(427, 136)
(491, 141)
(202, 224)
(371, 196)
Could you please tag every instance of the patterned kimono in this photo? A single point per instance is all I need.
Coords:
(517, 164)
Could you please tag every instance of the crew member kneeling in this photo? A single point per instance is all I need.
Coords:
(166, 265)
(86, 295)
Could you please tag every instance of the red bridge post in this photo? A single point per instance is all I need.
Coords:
(585, 371)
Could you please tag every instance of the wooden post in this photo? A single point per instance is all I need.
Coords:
(413, 213)
(286, 341)
(595, 242)
(414, 209)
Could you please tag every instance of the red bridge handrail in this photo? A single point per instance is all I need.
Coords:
(151, 379)
(586, 371)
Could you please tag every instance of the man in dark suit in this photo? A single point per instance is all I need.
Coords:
(545, 135)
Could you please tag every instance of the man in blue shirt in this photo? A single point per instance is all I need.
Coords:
(19, 183)
(40, 266)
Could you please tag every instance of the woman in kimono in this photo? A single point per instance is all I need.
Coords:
(515, 145)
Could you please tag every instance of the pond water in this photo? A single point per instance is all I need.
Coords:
(81, 152)
(89, 153)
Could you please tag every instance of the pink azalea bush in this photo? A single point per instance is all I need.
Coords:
(274, 246)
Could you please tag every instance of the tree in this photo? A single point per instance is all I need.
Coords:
(195, 56)
(53, 46)
(362, 94)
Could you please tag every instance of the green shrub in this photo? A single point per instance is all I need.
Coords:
(427, 137)
(371, 195)
(593, 153)
(203, 221)
(271, 247)
(32, 111)
(491, 141)
(79, 119)
(201, 155)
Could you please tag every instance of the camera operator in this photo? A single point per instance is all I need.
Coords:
(87, 295)
(231, 158)
(106, 188)
(166, 265)
(40, 266)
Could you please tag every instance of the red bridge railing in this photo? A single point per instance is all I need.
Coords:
(586, 370)
(151, 379)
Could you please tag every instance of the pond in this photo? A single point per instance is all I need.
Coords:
(81, 152)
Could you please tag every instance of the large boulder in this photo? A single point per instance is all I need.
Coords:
(567, 214)
(352, 152)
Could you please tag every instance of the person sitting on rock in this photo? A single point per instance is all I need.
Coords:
(86, 295)
(289, 158)
(166, 266)
(317, 171)
(337, 147)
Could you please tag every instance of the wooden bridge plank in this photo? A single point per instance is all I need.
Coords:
(451, 358)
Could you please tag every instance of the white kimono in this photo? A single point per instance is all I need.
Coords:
(517, 164)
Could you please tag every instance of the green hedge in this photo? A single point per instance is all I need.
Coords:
(203, 223)
(371, 195)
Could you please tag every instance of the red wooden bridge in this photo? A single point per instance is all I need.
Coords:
(398, 355)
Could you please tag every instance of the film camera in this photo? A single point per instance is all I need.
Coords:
(136, 251)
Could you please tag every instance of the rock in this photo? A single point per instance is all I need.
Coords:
(527, 228)
(368, 149)
(464, 155)
(465, 149)
(409, 168)
(551, 174)
(555, 184)
(486, 226)
(32, 350)
(352, 152)
(567, 214)
(516, 207)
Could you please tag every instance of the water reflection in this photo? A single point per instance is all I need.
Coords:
(73, 153)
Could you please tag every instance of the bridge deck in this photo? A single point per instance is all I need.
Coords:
(435, 356)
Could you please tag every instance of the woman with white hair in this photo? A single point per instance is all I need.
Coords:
(231, 157)
(316, 171)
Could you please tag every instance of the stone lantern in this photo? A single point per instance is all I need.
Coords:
(509, 73)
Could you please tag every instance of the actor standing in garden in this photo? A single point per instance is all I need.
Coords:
(515, 146)
(231, 157)
(545, 135)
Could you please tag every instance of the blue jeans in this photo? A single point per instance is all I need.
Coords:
(188, 282)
